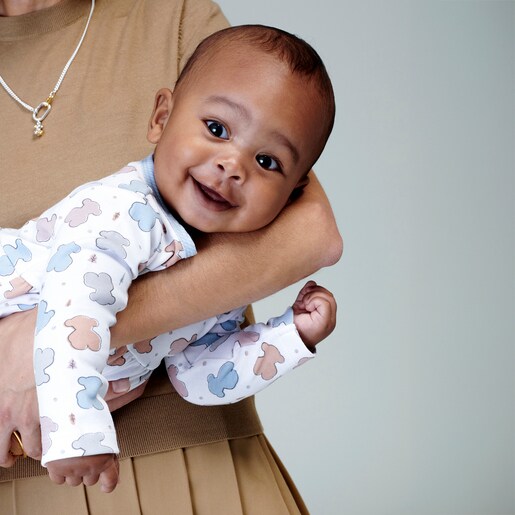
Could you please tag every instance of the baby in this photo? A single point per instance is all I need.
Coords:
(249, 116)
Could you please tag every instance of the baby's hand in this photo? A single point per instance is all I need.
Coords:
(314, 313)
(87, 470)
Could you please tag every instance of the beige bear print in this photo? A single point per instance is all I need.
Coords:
(117, 359)
(83, 337)
(180, 344)
(144, 346)
(19, 287)
(265, 365)
(175, 247)
(173, 371)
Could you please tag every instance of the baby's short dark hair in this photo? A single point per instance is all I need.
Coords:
(301, 58)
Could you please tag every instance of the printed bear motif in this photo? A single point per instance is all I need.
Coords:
(44, 316)
(243, 338)
(180, 344)
(43, 358)
(79, 215)
(45, 228)
(144, 346)
(126, 169)
(62, 258)
(302, 361)
(265, 365)
(102, 283)
(87, 398)
(137, 187)
(12, 255)
(207, 340)
(226, 379)
(91, 444)
(116, 359)
(175, 248)
(179, 386)
(113, 242)
(83, 336)
(144, 215)
(19, 287)
(47, 426)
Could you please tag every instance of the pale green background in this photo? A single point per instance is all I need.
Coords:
(409, 407)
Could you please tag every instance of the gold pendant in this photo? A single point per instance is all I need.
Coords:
(39, 116)
(38, 129)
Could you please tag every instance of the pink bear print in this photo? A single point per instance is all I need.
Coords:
(180, 344)
(117, 359)
(47, 426)
(83, 336)
(127, 169)
(45, 228)
(175, 247)
(80, 215)
(19, 287)
(144, 346)
(302, 361)
(243, 338)
(265, 365)
(177, 383)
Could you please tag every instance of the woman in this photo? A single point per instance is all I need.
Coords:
(202, 459)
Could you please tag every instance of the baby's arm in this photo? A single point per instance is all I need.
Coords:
(229, 364)
(90, 269)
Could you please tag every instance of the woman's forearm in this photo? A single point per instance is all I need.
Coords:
(231, 270)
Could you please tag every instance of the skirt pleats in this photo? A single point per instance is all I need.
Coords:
(242, 476)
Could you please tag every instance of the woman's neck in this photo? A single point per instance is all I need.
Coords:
(17, 7)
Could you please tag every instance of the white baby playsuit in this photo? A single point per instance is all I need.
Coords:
(76, 263)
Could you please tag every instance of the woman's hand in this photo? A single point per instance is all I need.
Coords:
(18, 401)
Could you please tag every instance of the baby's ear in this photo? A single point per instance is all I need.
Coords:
(163, 105)
(299, 188)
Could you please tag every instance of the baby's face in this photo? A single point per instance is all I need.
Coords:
(234, 141)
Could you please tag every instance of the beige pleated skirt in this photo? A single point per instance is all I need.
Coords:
(175, 458)
(231, 477)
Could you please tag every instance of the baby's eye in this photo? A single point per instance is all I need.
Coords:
(217, 129)
(268, 163)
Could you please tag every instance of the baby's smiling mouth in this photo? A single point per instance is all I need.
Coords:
(212, 198)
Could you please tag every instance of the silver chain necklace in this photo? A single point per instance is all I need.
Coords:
(42, 110)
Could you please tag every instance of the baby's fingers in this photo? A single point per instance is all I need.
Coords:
(322, 305)
(73, 480)
(300, 300)
(109, 478)
(56, 478)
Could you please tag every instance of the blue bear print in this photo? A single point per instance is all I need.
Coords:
(144, 215)
(25, 307)
(87, 398)
(12, 255)
(137, 187)
(102, 283)
(44, 316)
(229, 325)
(227, 379)
(43, 358)
(207, 340)
(285, 318)
(62, 259)
(91, 444)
